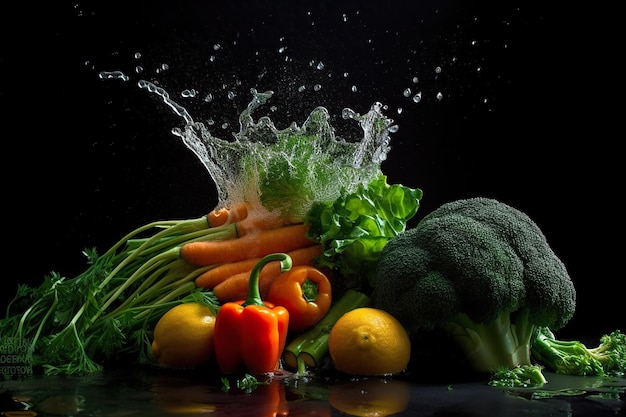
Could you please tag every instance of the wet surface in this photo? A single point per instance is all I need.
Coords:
(153, 392)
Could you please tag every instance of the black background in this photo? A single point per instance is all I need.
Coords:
(527, 116)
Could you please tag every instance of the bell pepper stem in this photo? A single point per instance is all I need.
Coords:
(311, 346)
(254, 292)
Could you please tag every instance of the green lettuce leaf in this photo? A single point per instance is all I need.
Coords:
(355, 227)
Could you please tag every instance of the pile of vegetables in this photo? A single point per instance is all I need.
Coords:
(308, 224)
(321, 201)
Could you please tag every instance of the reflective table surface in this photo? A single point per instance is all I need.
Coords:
(155, 392)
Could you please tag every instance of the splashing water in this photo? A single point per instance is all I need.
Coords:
(285, 171)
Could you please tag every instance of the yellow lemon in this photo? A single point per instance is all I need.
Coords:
(183, 336)
(368, 341)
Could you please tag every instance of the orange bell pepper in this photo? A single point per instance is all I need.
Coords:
(305, 292)
(251, 334)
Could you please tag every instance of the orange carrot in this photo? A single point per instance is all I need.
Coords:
(253, 224)
(253, 245)
(215, 276)
(235, 287)
(224, 216)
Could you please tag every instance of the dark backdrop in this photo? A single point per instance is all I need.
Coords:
(525, 115)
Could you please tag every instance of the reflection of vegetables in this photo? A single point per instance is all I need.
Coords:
(572, 357)
(305, 292)
(265, 397)
(354, 228)
(481, 270)
(311, 347)
(261, 243)
(251, 334)
(519, 376)
(368, 397)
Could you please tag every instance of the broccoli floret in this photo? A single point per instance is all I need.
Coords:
(482, 271)
(572, 357)
(520, 376)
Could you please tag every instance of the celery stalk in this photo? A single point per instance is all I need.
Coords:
(311, 346)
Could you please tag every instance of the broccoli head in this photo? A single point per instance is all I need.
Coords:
(482, 271)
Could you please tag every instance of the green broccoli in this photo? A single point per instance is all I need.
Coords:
(572, 357)
(482, 272)
(520, 376)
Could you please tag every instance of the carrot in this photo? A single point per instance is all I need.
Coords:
(222, 272)
(253, 245)
(253, 224)
(213, 277)
(225, 215)
(235, 287)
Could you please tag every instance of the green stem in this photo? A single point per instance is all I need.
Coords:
(254, 292)
(311, 346)
(147, 266)
(183, 289)
(168, 227)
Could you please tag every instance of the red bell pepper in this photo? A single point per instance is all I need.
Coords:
(251, 334)
(305, 292)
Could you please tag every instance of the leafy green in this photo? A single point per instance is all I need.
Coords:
(355, 227)
(107, 313)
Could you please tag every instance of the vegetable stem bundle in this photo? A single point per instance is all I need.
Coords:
(72, 325)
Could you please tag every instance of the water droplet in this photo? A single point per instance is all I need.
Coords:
(217, 47)
(212, 58)
(348, 114)
(113, 75)
(320, 65)
(208, 98)
(301, 88)
(225, 125)
(188, 93)
(317, 87)
(439, 96)
(138, 69)
(417, 97)
(353, 89)
(479, 69)
(393, 129)
(415, 80)
(400, 110)
(345, 75)
(407, 92)
(231, 95)
(137, 55)
(437, 70)
(282, 49)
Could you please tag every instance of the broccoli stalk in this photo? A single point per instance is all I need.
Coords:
(572, 357)
(496, 344)
(484, 273)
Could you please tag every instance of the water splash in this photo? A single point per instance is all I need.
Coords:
(285, 170)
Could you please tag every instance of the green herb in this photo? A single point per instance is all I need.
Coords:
(107, 313)
(247, 383)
